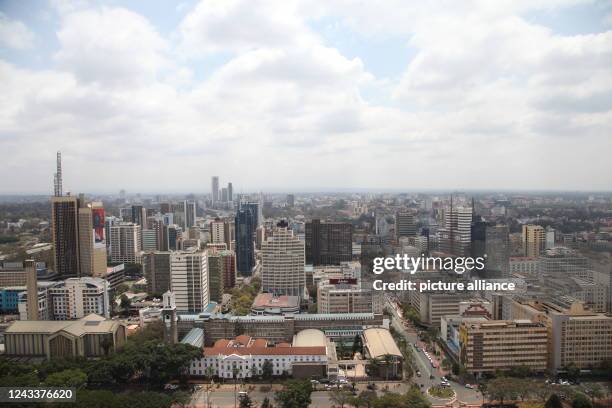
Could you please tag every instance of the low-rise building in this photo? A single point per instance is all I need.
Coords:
(246, 357)
(500, 345)
(269, 304)
(91, 336)
(346, 295)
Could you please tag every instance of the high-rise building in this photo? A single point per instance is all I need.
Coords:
(64, 230)
(283, 264)
(245, 224)
(156, 268)
(57, 185)
(125, 241)
(149, 240)
(215, 276)
(189, 280)
(224, 196)
(92, 248)
(230, 192)
(215, 189)
(491, 242)
(139, 215)
(328, 243)
(455, 234)
(534, 240)
(217, 231)
(405, 225)
(189, 208)
(290, 200)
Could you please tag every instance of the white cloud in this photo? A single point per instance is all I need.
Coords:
(110, 46)
(486, 95)
(14, 34)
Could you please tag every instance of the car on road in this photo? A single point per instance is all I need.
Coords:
(470, 386)
(418, 373)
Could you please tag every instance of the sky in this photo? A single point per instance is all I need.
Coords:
(292, 95)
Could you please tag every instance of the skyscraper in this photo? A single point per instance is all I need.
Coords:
(92, 249)
(534, 240)
(64, 230)
(189, 208)
(125, 241)
(491, 242)
(215, 189)
(156, 267)
(189, 280)
(245, 224)
(139, 215)
(57, 179)
(456, 233)
(230, 192)
(283, 264)
(404, 224)
(328, 243)
(290, 200)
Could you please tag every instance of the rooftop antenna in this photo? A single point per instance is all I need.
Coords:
(57, 179)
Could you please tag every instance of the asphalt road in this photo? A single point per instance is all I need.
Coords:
(463, 394)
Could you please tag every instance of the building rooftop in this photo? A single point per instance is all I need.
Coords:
(268, 300)
(246, 345)
(380, 343)
(310, 337)
(92, 323)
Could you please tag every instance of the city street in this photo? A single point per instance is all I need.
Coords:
(463, 394)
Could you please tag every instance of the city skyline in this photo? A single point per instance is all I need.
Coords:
(320, 97)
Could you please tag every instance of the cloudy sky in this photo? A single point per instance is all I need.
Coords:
(157, 96)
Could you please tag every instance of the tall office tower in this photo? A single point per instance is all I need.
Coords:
(328, 243)
(245, 224)
(164, 208)
(189, 280)
(290, 200)
(455, 235)
(224, 195)
(156, 267)
(125, 214)
(139, 215)
(99, 234)
(405, 225)
(64, 230)
(215, 276)
(57, 179)
(256, 210)
(32, 289)
(215, 189)
(283, 264)
(125, 241)
(149, 240)
(92, 248)
(534, 240)
(228, 259)
(174, 235)
(230, 192)
(189, 208)
(217, 231)
(497, 249)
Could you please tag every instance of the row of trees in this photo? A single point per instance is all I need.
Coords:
(297, 394)
(508, 388)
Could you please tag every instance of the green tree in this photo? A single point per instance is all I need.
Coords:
(572, 371)
(266, 403)
(365, 399)
(581, 401)
(267, 369)
(67, 378)
(553, 402)
(593, 390)
(340, 397)
(125, 302)
(245, 401)
(296, 394)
